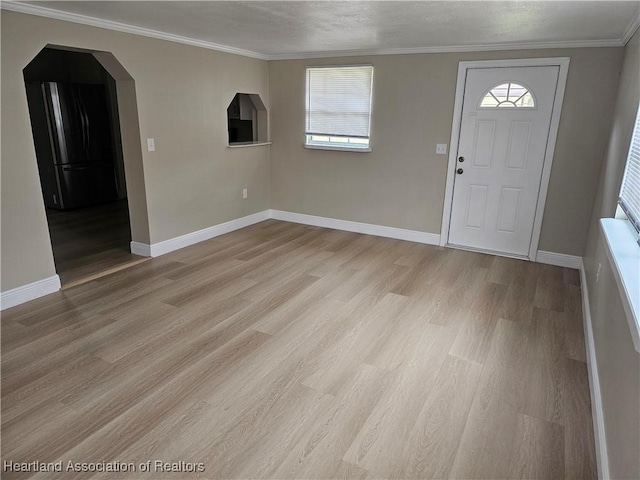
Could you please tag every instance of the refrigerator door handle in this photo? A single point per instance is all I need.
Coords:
(85, 124)
(86, 119)
(56, 95)
(46, 96)
(76, 101)
(116, 180)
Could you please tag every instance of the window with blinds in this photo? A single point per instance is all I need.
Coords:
(630, 191)
(338, 106)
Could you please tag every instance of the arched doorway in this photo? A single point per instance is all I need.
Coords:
(85, 128)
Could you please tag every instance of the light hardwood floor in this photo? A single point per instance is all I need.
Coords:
(91, 241)
(288, 351)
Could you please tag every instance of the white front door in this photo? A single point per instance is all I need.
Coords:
(505, 124)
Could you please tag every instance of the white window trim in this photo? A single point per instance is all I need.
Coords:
(624, 256)
(337, 147)
(311, 146)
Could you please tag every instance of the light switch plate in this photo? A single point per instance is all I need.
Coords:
(441, 149)
(151, 144)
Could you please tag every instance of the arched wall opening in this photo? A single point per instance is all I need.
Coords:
(117, 94)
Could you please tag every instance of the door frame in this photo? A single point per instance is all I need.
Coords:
(463, 68)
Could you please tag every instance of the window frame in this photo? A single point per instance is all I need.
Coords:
(630, 215)
(342, 143)
(622, 247)
(510, 82)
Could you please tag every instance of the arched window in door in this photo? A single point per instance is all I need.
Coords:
(509, 95)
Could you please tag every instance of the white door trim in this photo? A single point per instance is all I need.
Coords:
(563, 63)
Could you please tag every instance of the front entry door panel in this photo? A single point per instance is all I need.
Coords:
(506, 117)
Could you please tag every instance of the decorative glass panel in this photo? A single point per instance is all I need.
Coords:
(508, 95)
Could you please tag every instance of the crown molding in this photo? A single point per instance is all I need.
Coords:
(40, 11)
(452, 49)
(631, 29)
(20, 7)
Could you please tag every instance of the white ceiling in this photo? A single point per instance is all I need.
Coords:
(298, 29)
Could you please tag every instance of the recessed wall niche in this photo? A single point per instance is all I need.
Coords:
(247, 120)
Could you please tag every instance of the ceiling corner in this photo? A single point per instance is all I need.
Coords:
(631, 29)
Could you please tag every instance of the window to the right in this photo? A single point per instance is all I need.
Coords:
(629, 199)
(338, 107)
(621, 236)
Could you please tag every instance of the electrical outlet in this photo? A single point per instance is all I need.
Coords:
(245, 193)
(151, 144)
(598, 272)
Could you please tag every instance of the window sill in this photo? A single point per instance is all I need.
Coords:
(247, 144)
(337, 149)
(624, 255)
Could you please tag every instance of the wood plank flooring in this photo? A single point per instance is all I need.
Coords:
(289, 351)
(90, 242)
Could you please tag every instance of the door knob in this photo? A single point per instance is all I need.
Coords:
(460, 171)
(461, 159)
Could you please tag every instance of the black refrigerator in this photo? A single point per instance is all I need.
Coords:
(72, 134)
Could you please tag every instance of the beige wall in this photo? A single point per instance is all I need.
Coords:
(401, 183)
(618, 361)
(192, 180)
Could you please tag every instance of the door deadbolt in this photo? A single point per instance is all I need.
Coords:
(460, 171)
(461, 159)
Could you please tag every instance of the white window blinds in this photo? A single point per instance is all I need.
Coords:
(630, 192)
(339, 101)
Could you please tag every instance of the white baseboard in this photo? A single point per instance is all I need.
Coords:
(161, 248)
(49, 285)
(357, 227)
(142, 249)
(559, 259)
(602, 457)
(31, 291)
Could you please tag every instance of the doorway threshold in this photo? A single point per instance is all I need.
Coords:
(488, 252)
(70, 281)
